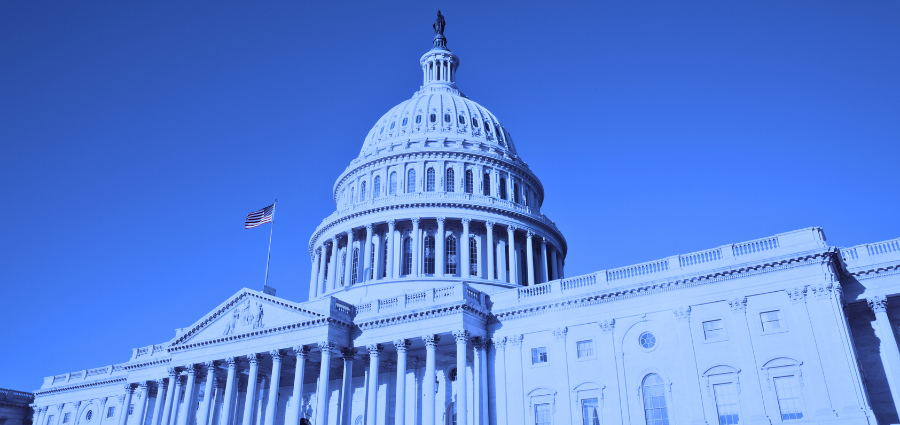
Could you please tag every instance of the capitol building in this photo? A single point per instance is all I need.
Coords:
(438, 296)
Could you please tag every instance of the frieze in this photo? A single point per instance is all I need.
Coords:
(422, 315)
(146, 364)
(67, 388)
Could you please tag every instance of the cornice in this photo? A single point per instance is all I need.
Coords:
(147, 364)
(324, 321)
(873, 273)
(461, 308)
(80, 386)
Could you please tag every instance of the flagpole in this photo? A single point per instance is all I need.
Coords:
(269, 256)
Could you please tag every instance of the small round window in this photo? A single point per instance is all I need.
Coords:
(433, 117)
(405, 119)
(418, 119)
(647, 340)
(89, 415)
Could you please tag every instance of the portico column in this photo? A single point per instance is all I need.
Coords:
(689, 365)
(323, 265)
(313, 274)
(428, 414)
(751, 396)
(888, 346)
(480, 390)
(529, 254)
(171, 410)
(500, 379)
(462, 395)
(489, 225)
(400, 412)
(333, 264)
(126, 402)
(160, 401)
(143, 393)
(250, 400)
(215, 415)
(377, 259)
(228, 404)
(348, 259)
(374, 356)
(511, 246)
(347, 386)
(439, 245)
(417, 256)
(185, 410)
(367, 262)
(392, 271)
(208, 391)
(546, 276)
(554, 263)
(296, 396)
(464, 247)
(326, 348)
(274, 383)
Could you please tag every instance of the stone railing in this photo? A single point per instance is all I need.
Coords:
(872, 253)
(15, 396)
(459, 292)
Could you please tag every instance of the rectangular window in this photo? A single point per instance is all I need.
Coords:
(66, 418)
(539, 355)
(131, 409)
(542, 414)
(50, 420)
(585, 348)
(771, 320)
(713, 330)
(787, 391)
(110, 412)
(726, 403)
(590, 411)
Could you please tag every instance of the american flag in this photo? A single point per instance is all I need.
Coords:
(260, 217)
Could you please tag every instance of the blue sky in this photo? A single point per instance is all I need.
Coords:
(136, 137)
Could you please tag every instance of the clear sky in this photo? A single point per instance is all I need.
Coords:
(137, 137)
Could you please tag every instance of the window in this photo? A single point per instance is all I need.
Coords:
(713, 330)
(111, 411)
(771, 320)
(539, 355)
(382, 130)
(647, 340)
(654, 392)
(451, 255)
(362, 192)
(372, 262)
(418, 119)
(433, 117)
(352, 195)
(499, 136)
(474, 122)
(131, 409)
(446, 117)
(384, 263)
(392, 184)
(343, 267)
(487, 184)
(451, 414)
(429, 255)
(405, 119)
(392, 124)
(542, 415)
(451, 181)
(585, 348)
(50, 419)
(429, 180)
(515, 196)
(473, 257)
(376, 189)
(502, 188)
(787, 391)
(469, 182)
(590, 411)
(411, 181)
(462, 119)
(453, 375)
(66, 417)
(327, 258)
(487, 127)
(407, 256)
(354, 266)
(89, 415)
(726, 403)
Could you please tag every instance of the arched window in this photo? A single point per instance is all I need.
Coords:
(502, 188)
(451, 414)
(654, 392)
(433, 117)
(376, 189)
(354, 267)
(429, 180)
(362, 192)
(487, 184)
(451, 180)
(343, 266)
(372, 262)
(352, 194)
(429, 255)
(487, 127)
(411, 181)
(462, 119)
(407, 256)
(469, 182)
(474, 122)
(451, 255)
(473, 257)
(418, 119)
(327, 259)
(393, 183)
(515, 197)
(447, 118)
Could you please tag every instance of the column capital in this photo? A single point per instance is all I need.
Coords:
(560, 333)
(277, 355)
(479, 342)
(544, 240)
(441, 220)
(127, 387)
(461, 336)
(511, 228)
(529, 234)
(431, 340)
(797, 295)
(392, 223)
(515, 340)
(738, 305)
(191, 370)
(253, 358)
(141, 386)
(466, 221)
(334, 239)
(878, 303)
(607, 326)
(172, 372)
(301, 351)
(162, 383)
(211, 365)
(369, 228)
(231, 362)
(402, 344)
(489, 225)
(121, 398)
(415, 221)
(349, 232)
(327, 346)
(348, 353)
(375, 349)
(499, 342)
(826, 289)
(682, 314)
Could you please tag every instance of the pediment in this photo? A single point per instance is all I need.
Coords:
(246, 312)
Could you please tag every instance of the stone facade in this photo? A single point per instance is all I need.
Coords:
(438, 296)
(15, 407)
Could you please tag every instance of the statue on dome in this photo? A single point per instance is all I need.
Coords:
(439, 24)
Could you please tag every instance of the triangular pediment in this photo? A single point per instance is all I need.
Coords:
(245, 312)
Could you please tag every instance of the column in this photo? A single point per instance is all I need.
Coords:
(562, 272)
(322, 390)
(481, 387)
(215, 415)
(392, 271)
(511, 246)
(185, 411)
(332, 267)
(347, 386)
(168, 416)
(546, 276)
(559, 334)
(428, 414)
(554, 263)
(464, 247)
(203, 413)
(529, 254)
(314, 274)
(274, 383)
(374, 355)
(323, 265)
(462, 394)
(606, 353)
(143, 394)
(439, 248)
(489, 225)
(888, 346)
(102, 402)
(250, 401)
(160, 399)
(751, 397)
(367, 261)
(378, 246)
(807, 340)
(400, 412)
(228, 404)
(689, 365)
(515, 396)
(262, 381)
(123, 411)
(500, 379)
(348, 259)
(417, 255)
(293, 414)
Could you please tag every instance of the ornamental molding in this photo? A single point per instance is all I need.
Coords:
(325, 321)
(876, 273)
(68, 388)
(657, 287)
(143, 365)
(462, 308)
(878, 303)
